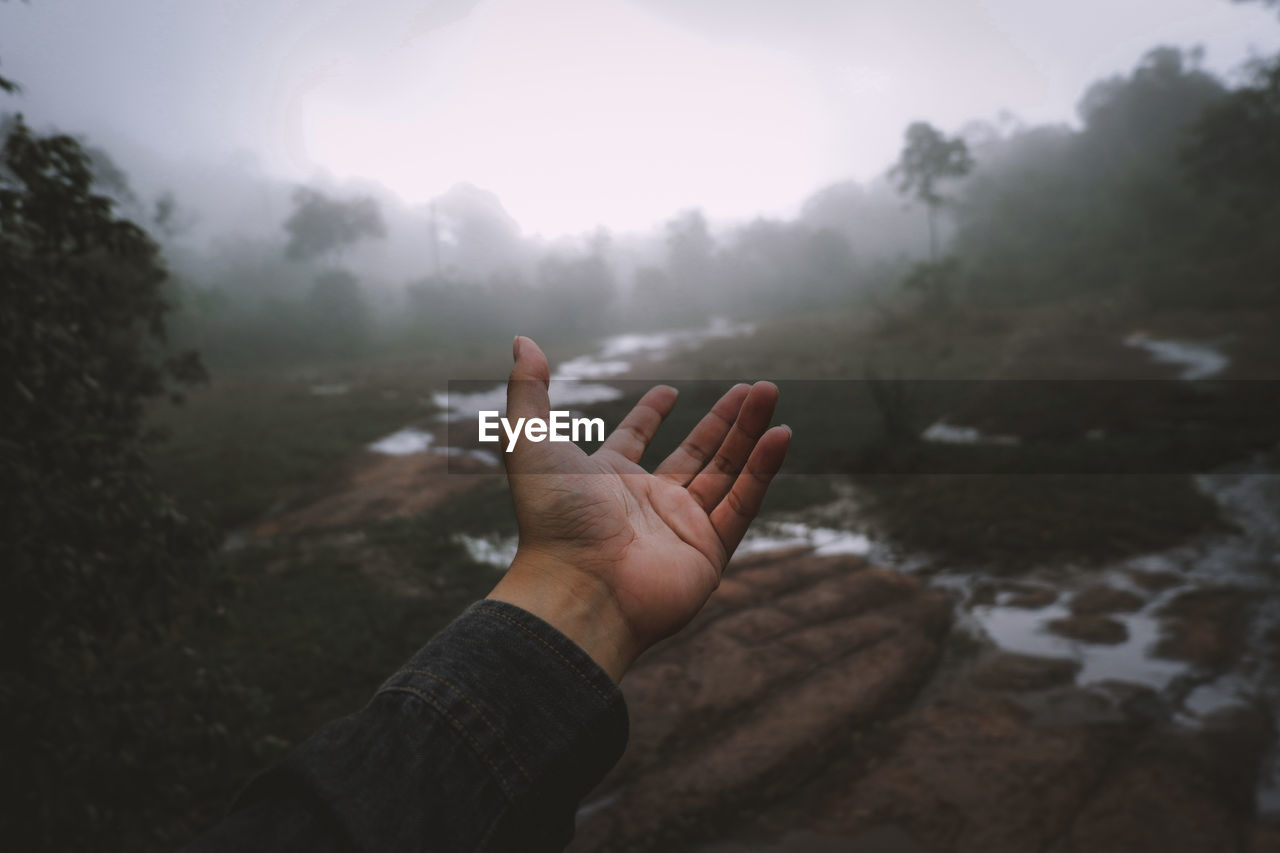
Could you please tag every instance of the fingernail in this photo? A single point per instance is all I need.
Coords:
(787, 428)
(515, 348)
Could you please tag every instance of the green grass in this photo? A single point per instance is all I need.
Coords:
(1014, 522)
(233, 448)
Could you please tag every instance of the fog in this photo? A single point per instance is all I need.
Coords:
(1011, 265)
(739, 109)
(503, 140)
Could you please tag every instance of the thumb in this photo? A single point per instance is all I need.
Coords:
(527, 386)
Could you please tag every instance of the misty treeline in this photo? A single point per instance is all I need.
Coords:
(1163, 195)
(1167, 196)
(459, 270)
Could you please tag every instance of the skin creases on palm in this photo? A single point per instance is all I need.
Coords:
(620, 556)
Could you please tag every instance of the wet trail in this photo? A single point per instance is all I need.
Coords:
(1094, 691)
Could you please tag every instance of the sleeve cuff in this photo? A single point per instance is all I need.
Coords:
(546, 720)
(487, 739)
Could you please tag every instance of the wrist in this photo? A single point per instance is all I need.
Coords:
(574, 602)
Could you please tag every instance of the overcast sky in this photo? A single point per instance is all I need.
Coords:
(579, 112)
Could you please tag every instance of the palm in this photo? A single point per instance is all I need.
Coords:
(648, 536)
(657, 542)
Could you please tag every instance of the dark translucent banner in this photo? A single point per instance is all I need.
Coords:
(892, 426)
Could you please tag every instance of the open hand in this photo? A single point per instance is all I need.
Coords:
(617, 558)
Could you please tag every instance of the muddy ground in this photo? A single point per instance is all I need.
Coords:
(877, 702)
(822, 704)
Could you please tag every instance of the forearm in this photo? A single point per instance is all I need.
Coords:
(486, 740)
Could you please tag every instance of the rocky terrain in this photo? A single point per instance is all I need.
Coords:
(822, 704)
(837, 694)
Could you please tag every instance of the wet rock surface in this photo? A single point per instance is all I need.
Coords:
(978, 773)
(1265, 839)
(1010, 671)
(1176, 791)
(790, 659)
(1203, 626)
(1101, 598)
(1033, 598)
(1155, 580)
(1090, 628)
(372, 488)
(1013, 594)
(813, 707)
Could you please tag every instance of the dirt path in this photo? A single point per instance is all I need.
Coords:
(820, 703)
(374, 487)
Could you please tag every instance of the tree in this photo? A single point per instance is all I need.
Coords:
(690, 265)
(320, 225)
(690, 249)
(1232, 156)
(1136, 122)
(1235, 146)
(93, 553)
(1058, 213)
(928, 157)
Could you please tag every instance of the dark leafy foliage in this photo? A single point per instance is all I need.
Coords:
(101, 702)
(1112, 210)
(1235, 146)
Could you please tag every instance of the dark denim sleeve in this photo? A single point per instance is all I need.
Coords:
(487, 739)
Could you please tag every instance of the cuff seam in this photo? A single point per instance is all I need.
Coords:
(461, 694)
(461, 729)
(587, 679)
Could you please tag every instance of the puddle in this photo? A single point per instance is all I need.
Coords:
(1229, 691)
(404, 442)
(945, 433)
(781, 535)
(563, 391)
(591, 367)
(1022, 630)
(664, 344)
(1248, 559)
(570, 385)
(496, 551)
(1198, 361)
(617, 355)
